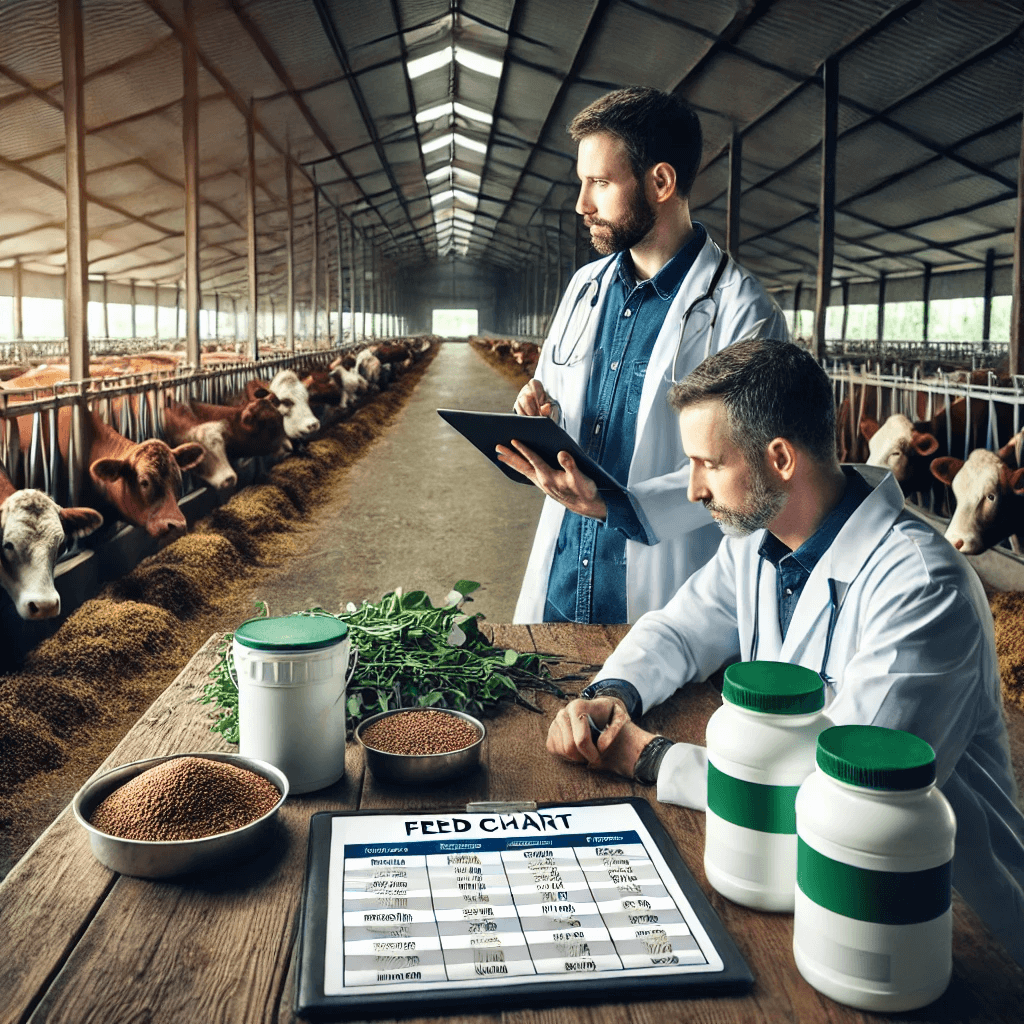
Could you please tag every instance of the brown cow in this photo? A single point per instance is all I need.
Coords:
(253, 429)
(181, 425)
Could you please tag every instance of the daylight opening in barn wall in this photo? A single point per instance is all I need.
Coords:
(250, 248)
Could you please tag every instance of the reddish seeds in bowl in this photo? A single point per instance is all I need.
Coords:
(420, 732)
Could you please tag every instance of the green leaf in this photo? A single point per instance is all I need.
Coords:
(465, 587)
(354, 704)
(428, 699)
(511, 657)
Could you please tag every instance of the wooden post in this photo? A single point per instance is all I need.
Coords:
(190, 147)
(156, 310)
(926, 296)
(131, 292)
(732, 215)
(352, 279)
(250, 211)
(216, 316)
(289, 330)
(362, 285)
(316, 256)
(327, 291)
(18, 306)
(881, 308)
(986, 312)
(72, 58)
(827, 202)
(234, 314)
(340, 336)
(1017, 305)
(177, 310)
(106, 307)
(846, 308)
(797, 294)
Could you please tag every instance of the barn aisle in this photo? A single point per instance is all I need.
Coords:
(421, 510)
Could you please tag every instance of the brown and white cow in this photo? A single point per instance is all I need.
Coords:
(900, 447)
(293, 403)
(181, 425)
(989, 492)
(255, 428)
(33, 531)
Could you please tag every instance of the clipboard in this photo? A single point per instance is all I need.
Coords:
(364, 953)
(540, 433)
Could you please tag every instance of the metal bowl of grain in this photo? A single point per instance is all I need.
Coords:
(181, 798)
(420, 745)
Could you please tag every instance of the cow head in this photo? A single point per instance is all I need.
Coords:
(33, 531)
(321, 388)
(215, 470)
(897, 445)
(293, 403)
(145, 485)
(989, 500)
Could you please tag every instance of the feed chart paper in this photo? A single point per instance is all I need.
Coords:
(504, 901)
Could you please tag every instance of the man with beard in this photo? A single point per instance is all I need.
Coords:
(816, 569)
(663, 298)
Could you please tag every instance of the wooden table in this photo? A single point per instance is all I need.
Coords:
(80, 944)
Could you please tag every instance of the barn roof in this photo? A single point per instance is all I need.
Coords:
(437, 127)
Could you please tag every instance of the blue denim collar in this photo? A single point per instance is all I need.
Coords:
(667, 280)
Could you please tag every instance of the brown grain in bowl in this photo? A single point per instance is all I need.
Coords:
(420, 732)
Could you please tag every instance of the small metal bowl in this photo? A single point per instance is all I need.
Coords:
(420, 768)
(145, 858)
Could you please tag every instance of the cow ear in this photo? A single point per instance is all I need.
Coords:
(80, 522)
(868, 427)
(109, 470)
(924, 444)
(946, 467)
(260, 392)
(1017, 482)
(188, 456)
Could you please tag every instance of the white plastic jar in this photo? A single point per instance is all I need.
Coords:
(873, 923)
(292, 675)
(761, 745)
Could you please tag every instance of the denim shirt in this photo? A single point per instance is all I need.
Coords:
(793, 569)
(587, 582)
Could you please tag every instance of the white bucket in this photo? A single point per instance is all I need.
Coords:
(292, 675)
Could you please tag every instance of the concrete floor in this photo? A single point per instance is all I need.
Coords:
(421, 510)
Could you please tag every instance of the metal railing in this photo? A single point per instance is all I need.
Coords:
(950, 354)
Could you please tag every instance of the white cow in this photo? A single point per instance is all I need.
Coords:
(989, 492)
(370, 367)
(897, 445)
(352, 385)
(33, 529)
(299, 422)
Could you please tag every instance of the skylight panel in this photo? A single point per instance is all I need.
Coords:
(472, 113)
(429, 62)
(442, 197)
(478, 62)
(464, 140)
(434, 112)
(441, 172)
(438, 143)
(466, 197)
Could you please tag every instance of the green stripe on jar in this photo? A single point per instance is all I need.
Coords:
(880, 897)
(752, 804)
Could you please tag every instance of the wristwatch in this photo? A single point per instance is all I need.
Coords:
(645, 771)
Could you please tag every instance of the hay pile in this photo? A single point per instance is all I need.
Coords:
(508, 368)
(83, 688)
(1008, 613)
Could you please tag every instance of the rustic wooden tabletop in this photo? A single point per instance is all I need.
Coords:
(79, 943)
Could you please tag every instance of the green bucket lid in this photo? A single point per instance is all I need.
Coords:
(876, 758)
(291, 633)
(774, 687)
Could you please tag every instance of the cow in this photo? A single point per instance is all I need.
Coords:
(33, 531)
(253, 429)
(907, 452)
(181, 425)
(371, 368)
(293, 402)
(989, 492)
(321, 387)
(352, 384)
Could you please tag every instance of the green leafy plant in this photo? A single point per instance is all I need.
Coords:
(411, 654)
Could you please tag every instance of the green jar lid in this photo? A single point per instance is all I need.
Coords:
(774, 687)
(291, 633)
(876, 758)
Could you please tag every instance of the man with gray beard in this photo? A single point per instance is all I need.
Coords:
(819, 569)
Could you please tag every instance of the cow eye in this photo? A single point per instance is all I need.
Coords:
(990, 497)
(8, 546)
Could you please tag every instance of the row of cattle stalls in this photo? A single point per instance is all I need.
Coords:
(132, 405)
(962, 409)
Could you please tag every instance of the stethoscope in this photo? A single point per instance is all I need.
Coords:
(835, 604)
(704, 311)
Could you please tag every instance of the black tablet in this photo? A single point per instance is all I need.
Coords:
(438, 912)
(540, 433)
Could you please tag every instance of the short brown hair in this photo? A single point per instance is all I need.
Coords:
(656, 127)
(770, 389)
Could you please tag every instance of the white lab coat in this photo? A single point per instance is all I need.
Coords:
(912, 648)
(659, 472)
